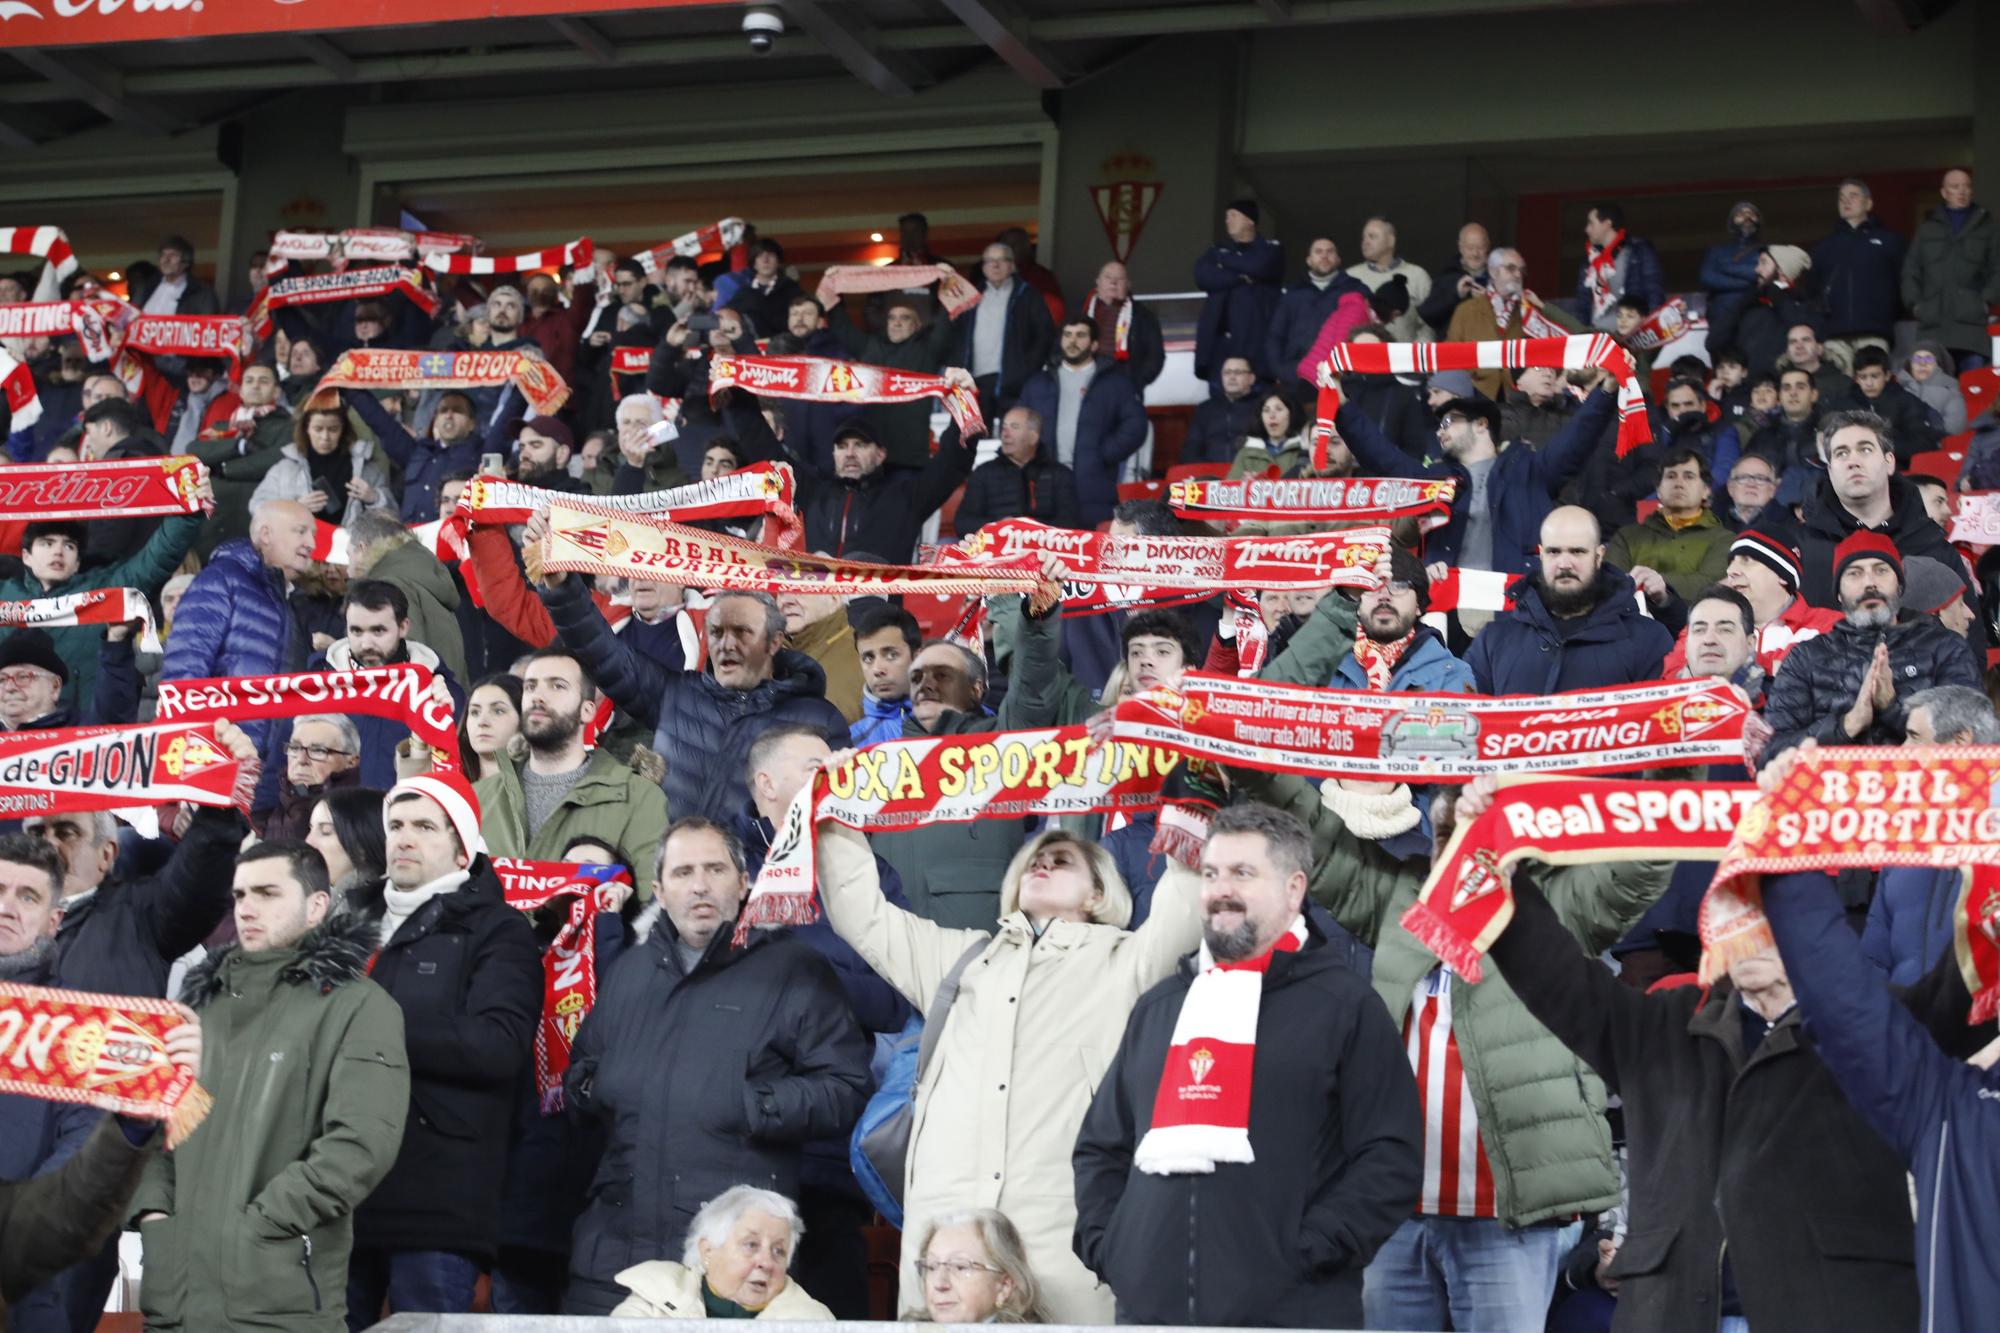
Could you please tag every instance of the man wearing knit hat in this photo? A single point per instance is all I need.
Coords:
(467, 971)
(1766, 571)
(1241, 275)
(1847, 686)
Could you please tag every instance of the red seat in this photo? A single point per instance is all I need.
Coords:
(1646, 507)
(1979, 388)
(1944, 464)
(1141, 490)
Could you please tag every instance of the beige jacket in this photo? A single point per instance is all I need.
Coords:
(662, 1289)
(1034, 1027)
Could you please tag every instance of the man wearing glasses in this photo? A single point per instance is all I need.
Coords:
(1752, 502)
(323, 755)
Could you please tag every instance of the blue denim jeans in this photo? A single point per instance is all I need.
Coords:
(1466, 1273)
(414, 1281)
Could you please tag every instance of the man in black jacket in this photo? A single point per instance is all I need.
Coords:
(467, 971)
(870, 504)
(1218, 425)
(1859, 491)
(1733, 1130)
(1266, 1216)
(708, 1063)
(1025, 481)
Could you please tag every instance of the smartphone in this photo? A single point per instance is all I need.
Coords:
(492, 465)
(704, 323)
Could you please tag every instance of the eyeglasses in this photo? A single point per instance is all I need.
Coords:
(20, 678)
(1753, 479)
(959, 1269)
(319, 754)
(1397, 587)
(1922, 359)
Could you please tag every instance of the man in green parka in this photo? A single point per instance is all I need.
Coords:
(249, 1224)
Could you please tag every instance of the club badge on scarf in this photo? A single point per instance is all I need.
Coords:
(98, 606)
(822, 379)
(950, 780)
(18, 393)
(1581, 351)
(109, 768)
(569, 963)
(1434, 738)
(401, 693)
(1315, 499)
(1468, 900)
(107, 1051)
(1201, 1114)
(1528, 307)
(1865, 806)
(1343, 559)
(395, 368)
(955, 294)
(190, 335)
(94, 323)
(121, 488)
(586, 538)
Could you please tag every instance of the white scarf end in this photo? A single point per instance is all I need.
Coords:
(1190, 1150)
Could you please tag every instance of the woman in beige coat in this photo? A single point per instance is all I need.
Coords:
(1039, 1014)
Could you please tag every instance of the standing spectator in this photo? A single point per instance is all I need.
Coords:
(1952, 272)
(234, 619)
(1461, 280)
(1848, 686)
(1681, 544)
(177, 291)
(1321, 295)
(1381, 265)
(1931, 375)
(886, 641)
(1915, 427)
(1615, 265)
(1859, 491)
(321, 756)
(765, 295)
(253, 1222)
(1789, 437)
(1218, 425)
(552, 325)
(1261, 1203)
(239, 450)
(816, 625)
(328, 469)
(1035, 1022)
(567, 791)
(1860, 266)
(1574, 625)
(1534, 408)
(1505, 309)
(905, 343)
(1036, 274)
(1024, 481)
(376, 615)
(688, 991)
(384, 550)
(1241, 275)
(702, 722)
(1780, 302)
(1729, 272)
(1007, 337)
(1097, 418)
(871, 503)
(1131, 331)
(456, 441)
(913, 246)
(466, 970)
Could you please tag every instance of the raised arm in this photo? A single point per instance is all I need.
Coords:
(1565, 454)
(1374, 451)
(396, 442)
(906, 950)
(633, 681)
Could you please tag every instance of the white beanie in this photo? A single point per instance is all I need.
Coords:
(454, 796)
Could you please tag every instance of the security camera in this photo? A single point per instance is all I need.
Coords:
(762, 27)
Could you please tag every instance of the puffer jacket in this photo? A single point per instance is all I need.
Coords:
(1822, 677)
(1540, 1109)
(236, 466)
(1827, 524)
(1523, 652)
(609, 803)
(291, 478)
(702, 1079)
(1949, 278)
(232, 621)
(1037, 1021)
(306, 1056)
(703, 729)
(1912, 921)
(148, 571)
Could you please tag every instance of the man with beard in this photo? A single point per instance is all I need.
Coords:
(1380, 644)
(1279, 1190)
(1093, 416)
(1574, 625)
(563, 791)
(1847, 686)
(377, 614)
(1859, 492)
(1320, 294)
(541, 454)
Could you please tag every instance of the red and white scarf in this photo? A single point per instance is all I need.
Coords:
(354, 284)
(95, 323)
(1600, 273)
(48, 243)
(111, 768)
(17, 390)
(400, 692)
(822, 379)
(569, 964)
(724, 235)
(520, 364)
(1121, 332)
(1581, 351)
(121, 488)
(577, 254)
(1534, 324)
(1379, 660)
(375, 244)
(98, 606)
(241, 422)
(955, 294)
(1201, 1114)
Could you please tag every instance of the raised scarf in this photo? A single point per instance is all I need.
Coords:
(1360, 734)
(1121, 333)
(399, 368)
(1534, 324)
(401, 693)
(822, 379)
(94, 322)
(97, 606)
(1315, 499)
(107, 1051)
(569, 962)
(375, 244)
(1574, 352)
(353, 284)
(1669, 322)
(18, 392)
(1344, 559)
(119, 488)
(724, 235)
(955, 294)
(1603, 267)
(1201, 1114)
(1379, 660)
(110, 768)
(577, 254)
(45, 243)
(241, 422)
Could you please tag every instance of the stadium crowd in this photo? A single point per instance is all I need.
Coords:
(1580, 1139)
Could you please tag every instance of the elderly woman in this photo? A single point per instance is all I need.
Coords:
(975, 1271)
(1038, 1016)
(328, 469)
(733, 1266)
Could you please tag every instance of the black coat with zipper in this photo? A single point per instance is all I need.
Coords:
(468, 973)
(1338, 1137)
(1761, 1152)
(703, 1080)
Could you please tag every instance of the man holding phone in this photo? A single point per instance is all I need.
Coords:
(456, 442)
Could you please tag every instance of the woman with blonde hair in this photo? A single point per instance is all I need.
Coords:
(1040, 1008)
(975, 1271)
(733, 1266)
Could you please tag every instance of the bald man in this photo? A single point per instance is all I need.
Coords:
(1127, 332)
(1576, 624)
(1464, 277)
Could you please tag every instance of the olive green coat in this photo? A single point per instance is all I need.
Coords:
(609, 803)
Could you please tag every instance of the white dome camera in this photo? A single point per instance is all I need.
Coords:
(762, 28)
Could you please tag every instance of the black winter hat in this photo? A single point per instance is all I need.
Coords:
(1391, 299)
(34, 648)
(1248, 208)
